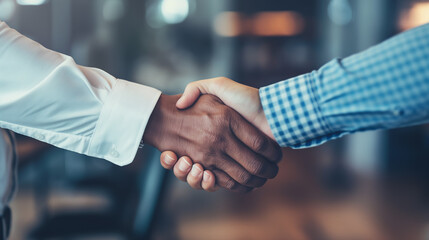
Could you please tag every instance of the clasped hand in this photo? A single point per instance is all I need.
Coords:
(218, 146)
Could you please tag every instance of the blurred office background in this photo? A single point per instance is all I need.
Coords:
(371, 185)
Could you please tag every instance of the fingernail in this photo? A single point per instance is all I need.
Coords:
(206, 177)
(168, 159)
(184, 165)
(196, 171)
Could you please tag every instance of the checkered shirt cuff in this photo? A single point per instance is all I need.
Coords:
(293, 113)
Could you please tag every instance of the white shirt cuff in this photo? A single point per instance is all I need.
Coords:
(122, 122)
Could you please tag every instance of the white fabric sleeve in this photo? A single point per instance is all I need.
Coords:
(47, 96)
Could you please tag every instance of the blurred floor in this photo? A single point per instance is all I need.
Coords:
(294, 206)
(297, 205)
(26, 217)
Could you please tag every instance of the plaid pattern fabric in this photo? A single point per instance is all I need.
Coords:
(386, 86)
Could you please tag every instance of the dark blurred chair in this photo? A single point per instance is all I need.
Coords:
(135, 197)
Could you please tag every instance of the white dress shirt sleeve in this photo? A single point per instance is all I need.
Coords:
(47, 96)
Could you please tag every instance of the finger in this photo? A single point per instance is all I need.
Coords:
(195, 176)
(255, 139)
(189, 96)
(240, 174)
(195, 89)
(182, 168)
(168, 159)
(254, 163)
(209, 181)
(225, 181)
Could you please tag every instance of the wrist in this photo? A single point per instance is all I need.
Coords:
(162, 122)
(261, 120)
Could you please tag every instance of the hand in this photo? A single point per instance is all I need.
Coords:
(215, 136)
(244, 99)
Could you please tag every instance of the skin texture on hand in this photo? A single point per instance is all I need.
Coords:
(239, 155)
(244, 99)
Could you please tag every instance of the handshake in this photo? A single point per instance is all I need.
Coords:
(223, 138)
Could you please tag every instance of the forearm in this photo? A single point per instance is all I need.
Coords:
(47, 96)
(383, 87)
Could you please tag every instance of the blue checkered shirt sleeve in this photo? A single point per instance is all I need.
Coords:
(383, 87)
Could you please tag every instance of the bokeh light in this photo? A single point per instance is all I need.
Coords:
(340, 12)
(174, 11)
(7, 8)
(31, 2)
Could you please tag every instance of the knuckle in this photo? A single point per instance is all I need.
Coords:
(259, 143)
(257, 168)
(224, 114)
(230, 184)
(219, 122)
(215, 145)
(245, 178)
(218, 138)
(228, 111)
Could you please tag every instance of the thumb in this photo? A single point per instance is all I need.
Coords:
(192, 92)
